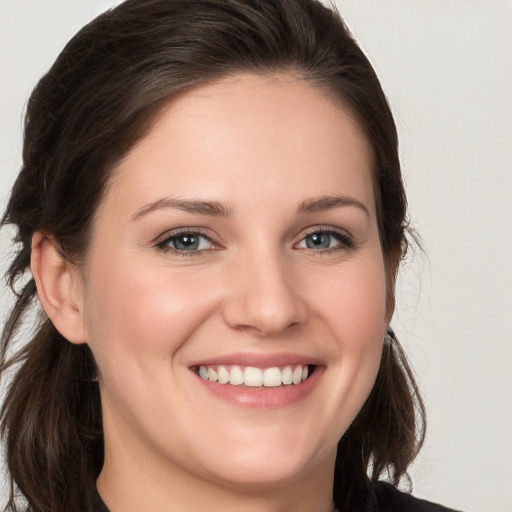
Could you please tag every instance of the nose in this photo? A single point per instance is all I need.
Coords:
(263, 297)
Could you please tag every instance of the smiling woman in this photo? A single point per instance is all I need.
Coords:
(267, 283)
(212, 211)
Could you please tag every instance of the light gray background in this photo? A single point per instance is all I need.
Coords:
(446, 66)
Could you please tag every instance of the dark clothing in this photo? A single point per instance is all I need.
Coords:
(389, 499)
(386, 498)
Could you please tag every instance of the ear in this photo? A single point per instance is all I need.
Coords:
(59, 288)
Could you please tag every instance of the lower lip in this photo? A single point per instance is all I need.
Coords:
(263, 397)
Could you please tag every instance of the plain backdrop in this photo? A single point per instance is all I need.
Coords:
(446, 66)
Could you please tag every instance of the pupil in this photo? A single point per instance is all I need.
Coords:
(318, 241)
(186, 242)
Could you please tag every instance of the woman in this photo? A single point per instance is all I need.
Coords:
(212, 210)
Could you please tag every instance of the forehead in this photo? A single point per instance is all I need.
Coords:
(246, 135)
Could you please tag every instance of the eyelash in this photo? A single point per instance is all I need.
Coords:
(346, 241)
(168, 238)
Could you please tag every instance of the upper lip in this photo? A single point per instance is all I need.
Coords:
(258, 360)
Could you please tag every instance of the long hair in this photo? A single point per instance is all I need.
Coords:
(97, 100)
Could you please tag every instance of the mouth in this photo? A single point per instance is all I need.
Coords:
(259, 381)
(263, 381)
(255, 377)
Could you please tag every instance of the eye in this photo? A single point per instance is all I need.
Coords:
(326, 239)
(186, 241)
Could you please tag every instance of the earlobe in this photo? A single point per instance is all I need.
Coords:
(58, 288)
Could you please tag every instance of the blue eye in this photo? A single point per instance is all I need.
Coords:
(319, 241)
(322, 240)
(186, 242)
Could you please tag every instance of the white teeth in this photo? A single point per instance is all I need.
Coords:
(255, 377)
(203, 372)
(223, 375)
(236, 376)
(297, 375)
(287, 375)
(272, 377)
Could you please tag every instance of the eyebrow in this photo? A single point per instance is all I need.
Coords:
(320, 204)
(218, 209)
(200, 207)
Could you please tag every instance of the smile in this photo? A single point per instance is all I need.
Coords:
(264, 381)
(254, 377)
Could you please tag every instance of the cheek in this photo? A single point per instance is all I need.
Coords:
(137, 321)
(353, 302)
(352, 310)
(136, 314)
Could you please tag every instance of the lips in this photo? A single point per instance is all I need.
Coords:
(259, 380)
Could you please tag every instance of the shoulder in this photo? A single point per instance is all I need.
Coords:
(390, 499)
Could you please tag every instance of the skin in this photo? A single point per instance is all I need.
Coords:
(262, 147)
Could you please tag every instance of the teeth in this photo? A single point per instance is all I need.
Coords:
(272, 377)
(255, 377)
(223, 375)
(212, 375)
(236, 376)
(297, 375)
(287, 375)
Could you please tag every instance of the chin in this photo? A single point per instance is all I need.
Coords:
(268, 459)
(260, 474)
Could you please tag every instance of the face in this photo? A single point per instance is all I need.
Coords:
(235, 288)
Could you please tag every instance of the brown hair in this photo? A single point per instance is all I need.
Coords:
(96, 101)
